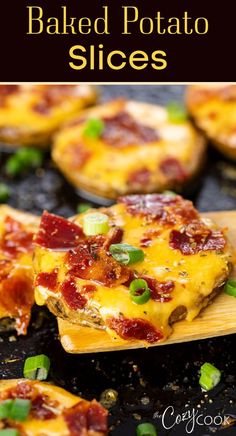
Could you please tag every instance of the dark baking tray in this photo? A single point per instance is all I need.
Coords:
(147, 381)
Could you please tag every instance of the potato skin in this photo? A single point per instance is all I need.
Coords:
(30, 114)
(110, 171)
(213, 110)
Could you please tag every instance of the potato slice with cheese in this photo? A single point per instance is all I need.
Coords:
(16, 271)
(157, 262)
(213, 108)
(52, 411)
(30, 114)
(124, 147)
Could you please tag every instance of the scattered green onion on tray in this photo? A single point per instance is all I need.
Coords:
(37, 367)
(23, 160)
(230, 287)
(209, 376)
(146, 429)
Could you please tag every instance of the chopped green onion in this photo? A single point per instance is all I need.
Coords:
(230, 287)
(93, 128)
(4, 192)
(170, 193)
(37, 367)
(139, 291)
(146, 429)
(5, 408)
(210, 376)
(20, 409)
(23, 160)
(83, 207)
(176, 112)
(126, 254)
(95, 224)
(9, 432)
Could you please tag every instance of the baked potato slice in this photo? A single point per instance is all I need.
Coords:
(124, 147)
(213, 109)
(53, 411)
(181, 259)
(30, 114)
(16, 269)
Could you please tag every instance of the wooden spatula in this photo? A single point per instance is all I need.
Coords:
(218, 319)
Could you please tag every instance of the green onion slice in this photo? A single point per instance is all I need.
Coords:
(176, 112)
(230, 287)
(5, 408)
(20, 409)
(139, 291)
(37, 367)
(4, 192)
(146, 429)
(93, 128)
(126, 254)
(170, 193)
(83, 207)
(210, 376)
(9, 432)
(96, 224)
(23, 160)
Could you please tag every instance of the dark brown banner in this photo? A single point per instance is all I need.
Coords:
(117, 41)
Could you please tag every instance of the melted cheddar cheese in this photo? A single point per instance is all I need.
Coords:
(30, 114)
(181, 275)
(213, 108)
(140, 150)
(50, 408)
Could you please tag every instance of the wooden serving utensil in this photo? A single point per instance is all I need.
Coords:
(218, 319)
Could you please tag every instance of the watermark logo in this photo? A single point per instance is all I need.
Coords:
(191, 418)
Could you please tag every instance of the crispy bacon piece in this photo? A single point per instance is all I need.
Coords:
(57, 233)
(196, 237)
(6, 90)
(15, 239)
(173, 170)
(47, 280)
(149, 236)
(41, 408)
(72, 296)
(165, 208)
(160, 291)
(90, 261)
(53, 95)
(17, 297)
(122, 130)
(78, 155)
(114, 236)
(139, 177)
(134, 328)
(86, 416)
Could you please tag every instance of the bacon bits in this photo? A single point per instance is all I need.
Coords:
(57, 233)
(85, 417)
(173, 170)
(196, 237)
(134, 328)
(121, 130)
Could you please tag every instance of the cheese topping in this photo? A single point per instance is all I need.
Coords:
(181, 273)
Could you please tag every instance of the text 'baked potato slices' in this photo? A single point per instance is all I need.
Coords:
(30, 114)
(132, 269)
(16, 270)
(51, 411)
(213, 108)
(125, 147)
